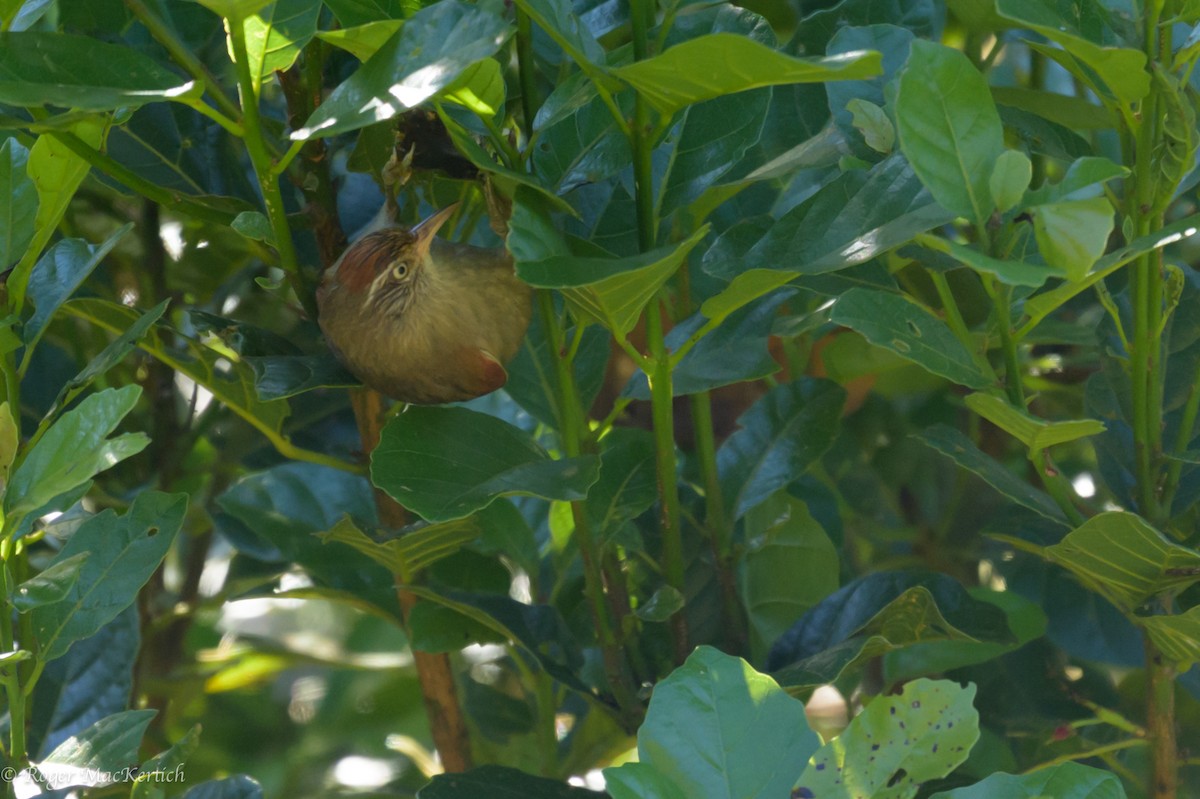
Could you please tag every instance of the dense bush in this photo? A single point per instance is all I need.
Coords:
(865, 353)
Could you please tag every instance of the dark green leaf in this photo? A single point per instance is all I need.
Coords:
(558, 19)
(239, 787)
(788, 566)
(437, 628)
(958, 448)
(435, 45)
(360, 12)
(779, 437)
(533, 381)
(899, 324)
(125, 552)
(21, 203)
(1087, 32)
(848, 222)
(1013, 273)
(949, 128)
(896, 744)
(718, 729)
(93, 680)
(500, 782)
(281, 376)
(59, 273)
(50, 585)
(445, 463)
(81, 72)
(636, 780)
(115, 352)
(627, 485)
(72, 451)
(1062, 781)
(735, 351)
(165, 767)
(894, 44)
(110, 745)
(724, 63)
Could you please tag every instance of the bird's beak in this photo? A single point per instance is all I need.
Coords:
(428, 228)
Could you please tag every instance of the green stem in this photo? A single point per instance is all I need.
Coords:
(204, 109)
(1012, 362)
(661, 385)
(18, 757)
(572, 428)
(954, 318)
(525, 64)
(268, 181)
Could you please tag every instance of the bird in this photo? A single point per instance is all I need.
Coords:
(421, 319)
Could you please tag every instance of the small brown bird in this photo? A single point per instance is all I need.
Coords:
(421, 319)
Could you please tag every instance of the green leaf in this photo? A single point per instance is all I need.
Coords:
(532, 378)
(281, 376)
(253, 225)
(878, 613)
(10, 440)
(480, 88)
(1061, 781)
(109, 746)
(724, 63)
(662, 605)
(412, 550)
(1081, 174)
(1036, 434)
(362, 41)
(111, 355)
(1074, 113)
(873, 123)
(424, 57)
(124, 553)
(58, 274)
(500, 782)
(73, 450)
(239, 787)
(858, 216)
(1177, 637)
(231, 382)
(351, 13)
(1009, 179)
(949, 128)
(895, 744)
(960, 449)
(716, 728)
(50, 585)
(57, 173)
(558, 19)
(436, 629)
(778, 438)
(156, 773)
(446, 463)
(1085, 32)
(81, 72)
(233, 9)
(789, 565)
(611, 291)
(1073, 234)
(1024, 617)
(93, 680)
(1012, 273)
(627, 485)
(636, 780)
(21, 203)
(897, 323)
(1120, 556)
(276, 34)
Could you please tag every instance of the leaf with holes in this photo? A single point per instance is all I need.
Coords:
(124, 552)
(897, 323)
(895, 744)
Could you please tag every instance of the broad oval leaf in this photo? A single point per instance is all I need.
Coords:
(500, 782)
(21, 203)
(949, 128)
(81, 72)
(95, 754)
(276, 34)
(718, 729)
(446, 463)
(424, 57)
(1073, 234)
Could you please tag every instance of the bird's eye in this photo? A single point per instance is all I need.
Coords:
(399, 271)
